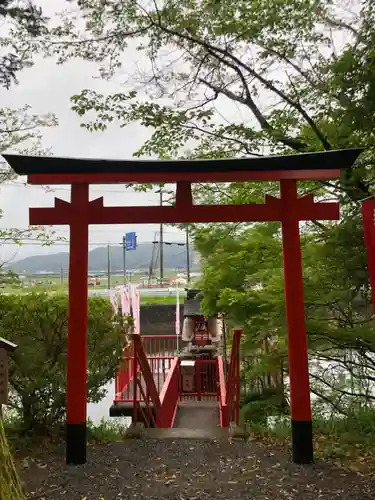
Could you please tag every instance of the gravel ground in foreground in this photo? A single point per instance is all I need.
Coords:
(188, 470)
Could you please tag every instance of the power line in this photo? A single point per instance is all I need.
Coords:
(36, 242)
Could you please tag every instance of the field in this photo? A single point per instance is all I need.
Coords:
(54, 284)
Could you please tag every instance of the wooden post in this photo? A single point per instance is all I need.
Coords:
(302, 446)
(76, 376)
(3, 378)
(6, 348)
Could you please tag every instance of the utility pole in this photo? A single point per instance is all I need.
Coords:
(124, 256)
(187, 255)
(161, 245)
(109, 266)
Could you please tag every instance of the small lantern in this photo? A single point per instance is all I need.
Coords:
(6, 348)
(188, 375)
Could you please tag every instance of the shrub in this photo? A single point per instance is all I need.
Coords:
(38, 323)
(105, 431)
(258, 406)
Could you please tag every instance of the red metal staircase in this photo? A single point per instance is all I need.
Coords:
(149, 384)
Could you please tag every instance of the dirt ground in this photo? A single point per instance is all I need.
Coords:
(188, 470)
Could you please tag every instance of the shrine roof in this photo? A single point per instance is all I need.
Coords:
(174, 170)
(25, 165)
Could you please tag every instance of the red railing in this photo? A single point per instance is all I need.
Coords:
(160, 351)
(169, 395)
(143, 381)
(206, 382)
(230, 406)
(150, 367)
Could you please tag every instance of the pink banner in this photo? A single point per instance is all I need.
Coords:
(135, 302)
(114, 301)
(125, 300)
(129, 298)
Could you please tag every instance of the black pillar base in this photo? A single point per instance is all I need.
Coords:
(76, 436)
(302, 442)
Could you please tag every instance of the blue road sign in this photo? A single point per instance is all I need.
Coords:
(130, 241)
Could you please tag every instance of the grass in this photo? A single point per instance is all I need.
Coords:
(145, 300)
(170, 299)
(24, 443)
(105, 432)
(58, 288)
(347, 441)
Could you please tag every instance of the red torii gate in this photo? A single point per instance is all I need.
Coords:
(81, 212)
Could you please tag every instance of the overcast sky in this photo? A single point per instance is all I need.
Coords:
(48, 88)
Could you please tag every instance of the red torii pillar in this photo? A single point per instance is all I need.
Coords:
(76, 367)
(368, 212)
(289, 209)
(76, 215)
(300, 407)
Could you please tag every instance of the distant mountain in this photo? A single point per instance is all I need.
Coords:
(174, 258)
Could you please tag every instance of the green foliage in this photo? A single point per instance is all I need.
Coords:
(29, 18)
(349, 437)
(289, 87)
(257, 407)
(105, 432)
(9, 278)
(38, 324)
(357, 427)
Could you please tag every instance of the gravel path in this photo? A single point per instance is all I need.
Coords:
(188, 470)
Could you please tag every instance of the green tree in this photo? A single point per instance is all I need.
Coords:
(296, 76)
(282, 68)
(9, 278)
(28, 17)
(37, 323)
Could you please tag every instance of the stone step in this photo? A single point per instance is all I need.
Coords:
(181, 433)
(139, 431)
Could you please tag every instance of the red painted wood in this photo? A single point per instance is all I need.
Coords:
(63, 213)
(146, 371)
(162, 177)
(198, 377)
(184, 198)
(76, 392)
(233, 382)
(294, 305)
(160, 350)
(224, 417)
(368, 208)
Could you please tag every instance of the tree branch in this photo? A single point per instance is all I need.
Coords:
(265, 125)
(214, 51)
